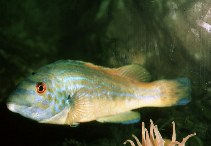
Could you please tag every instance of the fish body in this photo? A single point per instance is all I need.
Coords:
(71, 92)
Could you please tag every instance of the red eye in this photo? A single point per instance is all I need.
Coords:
(40, 87)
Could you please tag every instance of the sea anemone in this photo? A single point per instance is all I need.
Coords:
(154, 138)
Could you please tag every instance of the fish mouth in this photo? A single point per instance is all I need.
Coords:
(16, 108)
(33, 113)
(21, 109)
(12, 107)
(36, 114)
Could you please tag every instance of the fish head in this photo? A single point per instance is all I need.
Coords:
(39, 97)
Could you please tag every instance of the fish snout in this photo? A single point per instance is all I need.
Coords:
(11, 107)
(19, 97)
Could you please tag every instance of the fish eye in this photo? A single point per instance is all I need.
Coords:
(40, 87)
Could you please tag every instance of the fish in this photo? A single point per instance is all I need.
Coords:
(70, 92)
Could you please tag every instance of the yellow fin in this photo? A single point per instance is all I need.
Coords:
(124, 118)
(135, 71)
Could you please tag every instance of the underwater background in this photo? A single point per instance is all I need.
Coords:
(170, 38)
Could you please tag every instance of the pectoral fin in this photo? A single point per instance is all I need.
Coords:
(124, 118)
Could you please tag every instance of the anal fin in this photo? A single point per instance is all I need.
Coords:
(124, 118)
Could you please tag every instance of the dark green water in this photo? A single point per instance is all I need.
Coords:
(170, 38)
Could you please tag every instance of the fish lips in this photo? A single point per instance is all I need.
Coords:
(28, 112)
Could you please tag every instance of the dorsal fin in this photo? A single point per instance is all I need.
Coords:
(134, 71)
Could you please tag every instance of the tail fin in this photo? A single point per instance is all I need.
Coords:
(184, 85)
(175, 92)
(164, 93)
